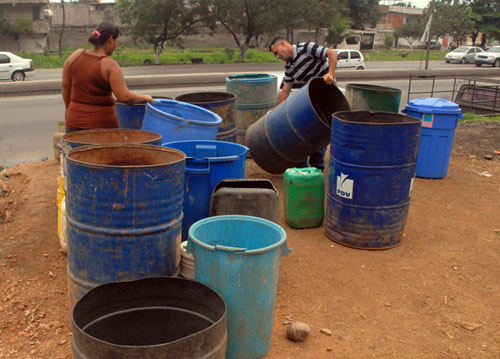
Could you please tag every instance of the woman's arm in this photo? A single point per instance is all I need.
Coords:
(118, 85)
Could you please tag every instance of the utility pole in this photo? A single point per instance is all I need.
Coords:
(428, 42)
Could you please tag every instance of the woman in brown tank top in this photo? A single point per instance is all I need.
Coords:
(89, 79)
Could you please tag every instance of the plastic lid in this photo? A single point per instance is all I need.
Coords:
(433, 105)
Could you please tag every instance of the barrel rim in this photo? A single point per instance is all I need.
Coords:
(229, 99)
(143, 104)
(414, 122)
(137, 146)
(234, 217)
(213, 325)
(373, 87)
(216, 123)
(215, 142)
(67, 137)
(251, 76)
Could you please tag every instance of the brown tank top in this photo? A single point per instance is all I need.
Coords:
(91, 105)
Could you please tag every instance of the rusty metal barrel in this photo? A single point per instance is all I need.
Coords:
(255, 94)
(221, 103)
(124, 213)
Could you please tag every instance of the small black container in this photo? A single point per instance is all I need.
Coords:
(251, 197)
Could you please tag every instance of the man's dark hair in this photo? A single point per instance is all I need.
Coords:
(103, 32)
(276, 40)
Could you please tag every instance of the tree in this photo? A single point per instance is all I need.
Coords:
(18, 28)
(338, 30)
(63, 26)
(289, 14)
(451, 18)
(158, 21)
(364, 12)
(486, 18)
(243, 19)
(321, 13)
(3, 23)
(410, 32)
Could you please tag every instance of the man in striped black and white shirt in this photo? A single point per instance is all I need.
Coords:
(303, 62)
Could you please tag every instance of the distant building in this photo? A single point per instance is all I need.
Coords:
(394, 16)
(35, 10)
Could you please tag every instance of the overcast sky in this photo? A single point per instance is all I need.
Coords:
(420, 3)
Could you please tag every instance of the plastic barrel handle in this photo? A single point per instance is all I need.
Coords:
(198, 171)
(219, 247)
(285, 251)
(189, 247)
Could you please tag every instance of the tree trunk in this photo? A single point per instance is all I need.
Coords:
(157, 50)
(243, 50)
(61, 33)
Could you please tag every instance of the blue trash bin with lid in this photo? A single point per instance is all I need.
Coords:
(439, 120)
(207, 163)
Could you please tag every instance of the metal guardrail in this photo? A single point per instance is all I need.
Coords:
(473, 94)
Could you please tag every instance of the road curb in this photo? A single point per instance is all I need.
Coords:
(37, 87)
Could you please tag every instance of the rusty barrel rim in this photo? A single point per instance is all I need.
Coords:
(78, 155)
(98, 136)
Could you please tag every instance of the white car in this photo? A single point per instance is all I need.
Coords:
(13, 67)
(462, 55)
(490, 57)
(350, 59)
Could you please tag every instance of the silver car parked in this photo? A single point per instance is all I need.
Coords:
(462, 55)
(490, 57)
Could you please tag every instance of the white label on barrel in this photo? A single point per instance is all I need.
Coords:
(411, 187)
(344, 186)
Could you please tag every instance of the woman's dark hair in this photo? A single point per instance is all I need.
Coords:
(103, 32)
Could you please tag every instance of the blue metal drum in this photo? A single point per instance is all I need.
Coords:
(296, 128)
(124, 214)
(373, 158)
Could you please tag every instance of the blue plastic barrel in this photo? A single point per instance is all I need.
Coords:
(255, 95)
(238, 257)
(373, 158)
(439, 120)
(299, 126)
(124, 213)
(180, 121)
(221, 103)
(207, 163)
(131, 116)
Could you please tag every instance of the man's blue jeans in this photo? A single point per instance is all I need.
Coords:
(316, 159)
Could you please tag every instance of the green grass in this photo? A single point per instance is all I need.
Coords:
(135, 56)
(472, 117)
(396, 55)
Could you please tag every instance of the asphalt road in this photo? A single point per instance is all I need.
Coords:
(52, 74)
(28, 123)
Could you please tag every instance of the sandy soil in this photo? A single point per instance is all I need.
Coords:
(437, 295)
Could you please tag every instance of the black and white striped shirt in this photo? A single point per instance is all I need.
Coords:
(309, 60)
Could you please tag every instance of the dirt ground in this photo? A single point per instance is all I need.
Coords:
(437, 295)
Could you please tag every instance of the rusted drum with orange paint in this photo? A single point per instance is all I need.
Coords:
(124, 213)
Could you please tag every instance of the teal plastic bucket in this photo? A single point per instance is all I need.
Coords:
(238, 257)
(180, 121)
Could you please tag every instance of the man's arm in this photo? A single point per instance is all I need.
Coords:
(332, 66)
(285, 92)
